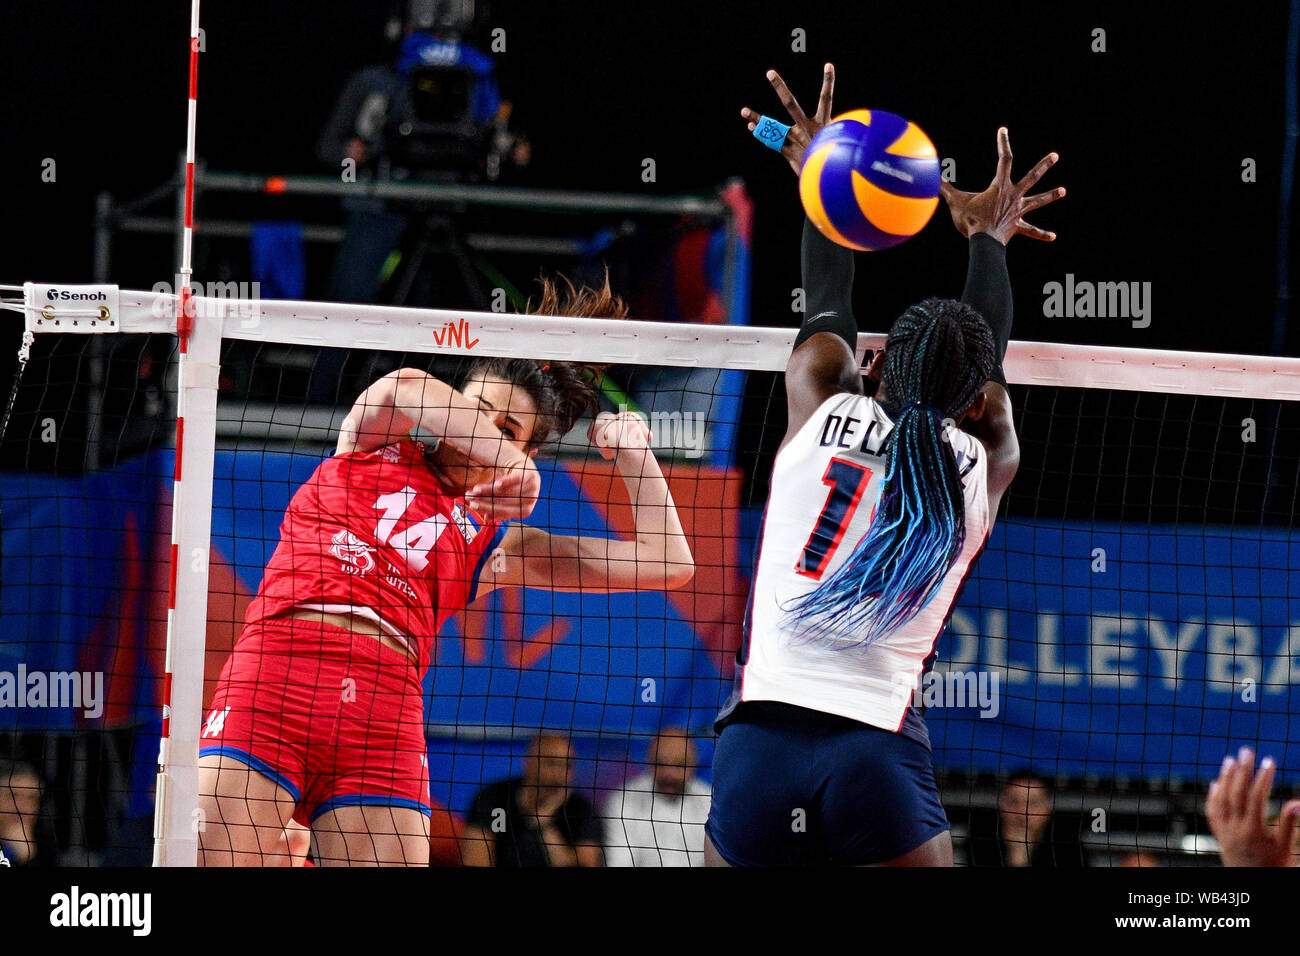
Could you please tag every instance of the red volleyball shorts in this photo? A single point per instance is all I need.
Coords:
(333, 717)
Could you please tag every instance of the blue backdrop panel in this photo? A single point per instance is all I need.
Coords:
(1126, 650)
(1116, 650)
(63, 576)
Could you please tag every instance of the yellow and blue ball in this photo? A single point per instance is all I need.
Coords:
(870, 180)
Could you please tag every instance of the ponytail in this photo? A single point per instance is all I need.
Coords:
(563, 392)
(938, 355)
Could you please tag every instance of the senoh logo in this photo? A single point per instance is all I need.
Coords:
(63, 295)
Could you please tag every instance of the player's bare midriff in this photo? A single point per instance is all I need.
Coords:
(350, 622)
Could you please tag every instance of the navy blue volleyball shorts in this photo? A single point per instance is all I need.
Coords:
(797, 787)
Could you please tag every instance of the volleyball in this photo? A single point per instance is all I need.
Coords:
(870, 180)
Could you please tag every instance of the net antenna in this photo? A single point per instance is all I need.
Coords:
(175, 841)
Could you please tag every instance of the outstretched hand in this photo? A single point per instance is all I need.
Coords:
(1237, 809)
(1000, 209)
(803, 128)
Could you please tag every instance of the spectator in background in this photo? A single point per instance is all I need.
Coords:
(1138, 858)
(1237, 808)
(534, 820)
(22, 842)
(1026, 831)
(658, 818)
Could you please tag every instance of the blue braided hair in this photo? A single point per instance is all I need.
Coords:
(938, 355)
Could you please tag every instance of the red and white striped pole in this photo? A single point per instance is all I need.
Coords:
(184, 313)
(174, 794)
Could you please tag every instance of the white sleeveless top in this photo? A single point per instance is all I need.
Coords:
(825, 486)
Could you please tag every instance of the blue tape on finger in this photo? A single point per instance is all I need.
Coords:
(771, 133)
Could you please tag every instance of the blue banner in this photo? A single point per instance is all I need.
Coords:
(1121, 650)
(81, 615)
(1108, 650)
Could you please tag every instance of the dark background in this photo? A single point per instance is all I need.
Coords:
(1152, 133)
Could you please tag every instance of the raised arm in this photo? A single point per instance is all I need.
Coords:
(656, 557)
(988, 220)
(824, 360)
(988, 292)
(505, 478)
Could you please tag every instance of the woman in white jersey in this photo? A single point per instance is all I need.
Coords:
(879, 504)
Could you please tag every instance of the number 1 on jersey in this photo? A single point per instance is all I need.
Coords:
(847, 482)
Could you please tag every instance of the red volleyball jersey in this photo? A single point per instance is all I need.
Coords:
(374, 534)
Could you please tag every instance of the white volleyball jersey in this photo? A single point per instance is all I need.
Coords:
(825, 486)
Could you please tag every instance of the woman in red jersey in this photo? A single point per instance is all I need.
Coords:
(318, 715)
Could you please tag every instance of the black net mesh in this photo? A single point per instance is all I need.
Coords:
(1129, 623)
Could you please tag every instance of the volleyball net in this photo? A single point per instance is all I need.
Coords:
(1133, 618)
